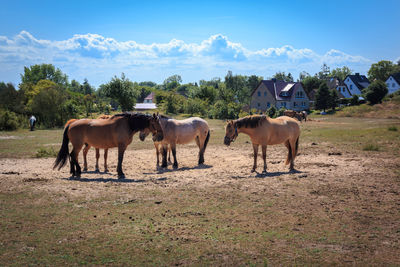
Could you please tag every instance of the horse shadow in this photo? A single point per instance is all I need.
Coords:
(104, 180)
(161, 170)
(275, 174)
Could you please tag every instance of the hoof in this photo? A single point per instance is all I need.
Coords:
(85, 169)
(253, 170)
(164, 165)
(97, 170)
(264, 171)
(121, 176)
(175, 166)
(106, 170)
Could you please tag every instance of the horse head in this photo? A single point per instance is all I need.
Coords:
(230, 133)
(155, 128)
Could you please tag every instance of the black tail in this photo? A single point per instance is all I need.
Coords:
(297, 146)
(206, 141)
(63, 154)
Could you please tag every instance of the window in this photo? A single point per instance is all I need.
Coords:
(303, 104)
(268, 105)
(259, 93)
(393, 85)
(283, 104)
(258, 104)
(299, 94)
(351, 87)
(265, 93)
(294, 104)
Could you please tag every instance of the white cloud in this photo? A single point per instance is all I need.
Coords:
(99, 58)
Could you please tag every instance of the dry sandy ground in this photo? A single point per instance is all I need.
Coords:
(360, 190)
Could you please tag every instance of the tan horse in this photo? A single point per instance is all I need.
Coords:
(181, 132)
(117, 131)
(266, 131)
(87, 147)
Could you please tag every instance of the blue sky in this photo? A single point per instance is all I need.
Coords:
(151, 40)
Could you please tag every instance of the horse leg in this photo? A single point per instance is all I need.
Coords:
(76, 170)
(200, 144)
(169, 154)
(289, 158)
(97, 159)
(157, 153)
(121, 151)
(105, 159)
(293, 146)
(85, 151)
(264, 154)
(255, 148)
(173, 149)
(164, 151)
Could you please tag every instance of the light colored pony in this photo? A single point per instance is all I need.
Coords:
(266, 131)
(180, 132)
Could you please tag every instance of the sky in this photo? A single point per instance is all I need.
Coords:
(152, 40)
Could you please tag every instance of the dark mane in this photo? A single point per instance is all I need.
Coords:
(137, 121)
(252, 121)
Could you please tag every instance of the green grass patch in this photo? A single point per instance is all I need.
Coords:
(371, 147)
(392, 128)
(46, 152)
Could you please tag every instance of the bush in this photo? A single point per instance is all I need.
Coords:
(196, 106)
(10, 121)
(46, 153)
(375, 92)
(271, 112)
(354, 100)
(392, 128)
(371, 147)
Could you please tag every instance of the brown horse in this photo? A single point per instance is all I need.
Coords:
(114, 132)
(181, 132)
(87, 147)
(266, 131)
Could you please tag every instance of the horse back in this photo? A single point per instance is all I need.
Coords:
(185, 131)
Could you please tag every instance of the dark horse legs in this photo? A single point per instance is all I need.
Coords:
(74, 163)
(121, 151)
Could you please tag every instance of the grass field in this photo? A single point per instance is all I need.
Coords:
(341, 208)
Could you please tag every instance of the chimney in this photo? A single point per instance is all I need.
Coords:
(357, 74)
(274, 80)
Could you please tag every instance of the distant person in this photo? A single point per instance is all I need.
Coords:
(32, 122)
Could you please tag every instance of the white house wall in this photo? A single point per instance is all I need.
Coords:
(353, 89)
(392, 85)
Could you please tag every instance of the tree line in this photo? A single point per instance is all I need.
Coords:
(46, 92)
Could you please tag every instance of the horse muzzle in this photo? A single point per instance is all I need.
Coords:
(142, 137)
(227, 141)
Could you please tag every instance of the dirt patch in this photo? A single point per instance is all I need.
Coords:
(342, 204)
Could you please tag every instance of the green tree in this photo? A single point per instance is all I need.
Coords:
(10, 98)
(324, 73)
(87, 89)
(382, 70)
(172, 82)
(310, 83)
(303, 75)
(341, 73)
(375, 92)
(35, 73)
(281, 76)
(333, 99)
(354, 100)
(48, 104)
(322, 97)
(122, 90)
